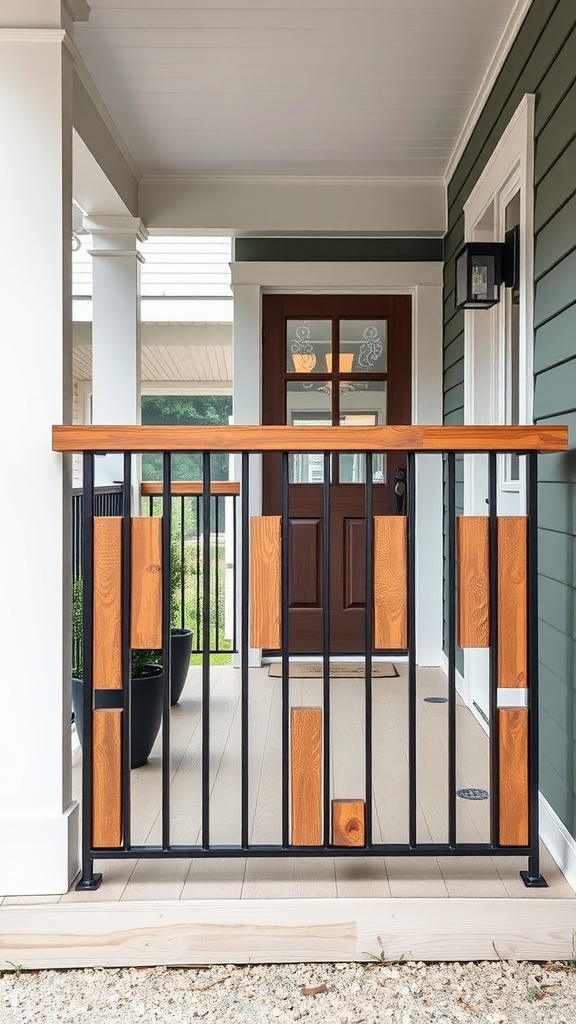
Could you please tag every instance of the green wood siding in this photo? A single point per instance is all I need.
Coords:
(344, 250)
(542, 61)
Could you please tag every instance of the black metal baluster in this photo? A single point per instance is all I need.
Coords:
(206, 576)
(285, 632)
(183, 573)
(244, 639)
(126, 652)
(326, 642)
(166, 578)
(198, 648)
(369, 640)
(412, 682)
(217, 574)
(532, 878)
(493, 650)
(234, 568)
(451, 649)
(89, 879)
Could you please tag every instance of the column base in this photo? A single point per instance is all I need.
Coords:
(533, 883)
(39, 856)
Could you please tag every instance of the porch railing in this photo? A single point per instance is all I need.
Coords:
(492, 602)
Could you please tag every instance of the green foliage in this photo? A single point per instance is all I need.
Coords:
(186, 410)
(77, 627)
(15, 969)
(531, 993)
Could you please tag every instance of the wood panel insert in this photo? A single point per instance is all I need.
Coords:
(306, 776)
(265, 594)
(107, 778)
(146, 590)
(513, 730)
(512, 601)
(390, 583)
(107, 603)
(348, 828)
(473, 581)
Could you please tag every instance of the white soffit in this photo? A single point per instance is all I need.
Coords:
(341, 88)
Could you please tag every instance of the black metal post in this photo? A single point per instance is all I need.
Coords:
(166, 623)
(451, 649)
(244, 638)
(412, 686)
(532, 878)
(89, 880)
(285, 641)
(206, 579)
(368, 640)
(326, 643)
(493, 651)
(126, 653)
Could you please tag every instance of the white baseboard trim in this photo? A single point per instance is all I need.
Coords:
(558, 841)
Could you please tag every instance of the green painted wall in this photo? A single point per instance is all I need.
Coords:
(335, 250)
(542, 61)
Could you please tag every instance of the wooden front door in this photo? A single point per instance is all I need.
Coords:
(333, 360)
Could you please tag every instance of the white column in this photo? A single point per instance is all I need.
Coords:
(115, 328)
(247, 409)
(38, 820)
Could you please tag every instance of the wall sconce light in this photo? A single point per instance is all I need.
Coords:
(482, 268)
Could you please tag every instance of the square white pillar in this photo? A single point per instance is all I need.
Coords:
(38, 820)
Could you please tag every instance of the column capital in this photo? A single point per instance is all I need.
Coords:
(110, 231)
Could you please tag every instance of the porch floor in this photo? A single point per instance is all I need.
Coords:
(326, 878)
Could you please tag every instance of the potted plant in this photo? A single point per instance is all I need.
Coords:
(180, 638)
(147, 687)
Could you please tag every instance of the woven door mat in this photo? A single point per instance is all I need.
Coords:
(338, 669)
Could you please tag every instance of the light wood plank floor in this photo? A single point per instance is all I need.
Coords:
(293, 878)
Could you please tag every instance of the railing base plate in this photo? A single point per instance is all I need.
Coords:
(89, 884)
(533, 883)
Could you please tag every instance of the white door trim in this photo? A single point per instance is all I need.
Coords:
(424, 283)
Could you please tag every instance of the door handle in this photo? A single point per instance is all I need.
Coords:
(400, 490)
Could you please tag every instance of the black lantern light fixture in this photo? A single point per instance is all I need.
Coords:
(483, 268)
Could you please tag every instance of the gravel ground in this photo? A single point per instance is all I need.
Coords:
(501, 992)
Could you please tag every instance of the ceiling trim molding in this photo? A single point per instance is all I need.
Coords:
(191, 179)
(34, 35)
(504, 46)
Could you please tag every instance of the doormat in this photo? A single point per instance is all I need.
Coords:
(338, 670)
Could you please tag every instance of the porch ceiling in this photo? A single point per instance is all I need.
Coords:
(260, 87)
(164, 364)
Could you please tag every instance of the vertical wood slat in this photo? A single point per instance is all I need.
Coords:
(265, 600)
(348, 818)
(306, 776)
(146, 583)
(390, 583)
(107, 603)
(513, 731)
(512, 601)
(107, 778)
(473, 581)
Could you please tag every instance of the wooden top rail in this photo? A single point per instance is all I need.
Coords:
(308, 439)
(189, 488)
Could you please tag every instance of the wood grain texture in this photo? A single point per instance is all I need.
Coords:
(473, 581)
(348, 817)
(512, 601)
(306, 776)
(265, 541)
(513, 729)
(186, 488)
(390, 583)
(146, 592)
(107, 778)
(308, 439)
(107, 607)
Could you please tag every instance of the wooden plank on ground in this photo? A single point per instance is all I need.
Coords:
(390, 583)
(306, 776)
(513, 728)
(107, 778)
(473, 581)
(348, 823)
(512, 601)
(265, 557)
(107, 603)
(146, 595)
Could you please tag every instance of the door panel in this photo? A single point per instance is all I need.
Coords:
(333, 359)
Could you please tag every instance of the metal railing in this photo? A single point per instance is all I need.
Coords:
(249, 443)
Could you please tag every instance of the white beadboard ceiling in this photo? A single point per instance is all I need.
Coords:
(169, 364)
(291, 87)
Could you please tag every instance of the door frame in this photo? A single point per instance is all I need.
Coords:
(509, 170)
(424, 283)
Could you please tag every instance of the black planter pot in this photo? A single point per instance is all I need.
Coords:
(146, 710)
(180, 651)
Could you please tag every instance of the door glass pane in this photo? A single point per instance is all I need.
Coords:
(308, 343)
(363, 344)
(307, 406)
(362, 404)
